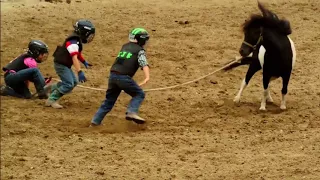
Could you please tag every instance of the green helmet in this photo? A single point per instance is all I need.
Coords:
(139, 34)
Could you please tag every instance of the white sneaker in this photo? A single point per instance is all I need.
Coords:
(135, 118)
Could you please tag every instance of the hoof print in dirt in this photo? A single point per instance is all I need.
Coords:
(213, 82)
(182, 22)
(56, 1)
(101, 173)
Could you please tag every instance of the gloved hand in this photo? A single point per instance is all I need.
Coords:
(47, 80)
(87, 64)
(81, 77)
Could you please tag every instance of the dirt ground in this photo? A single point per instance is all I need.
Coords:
(194, 131)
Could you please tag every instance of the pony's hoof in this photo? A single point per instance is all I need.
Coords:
(236, 100)
(283, 107)
(262, 109)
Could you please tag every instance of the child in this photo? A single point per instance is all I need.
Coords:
(67, 55)
(130, 58)
(23, 69)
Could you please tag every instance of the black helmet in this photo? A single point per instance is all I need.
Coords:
(37, 47)
(139, 34)
(85, 29)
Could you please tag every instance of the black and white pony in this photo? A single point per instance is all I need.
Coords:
(267, 46)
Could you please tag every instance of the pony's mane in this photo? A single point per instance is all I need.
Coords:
(257, 20)
(254, 20)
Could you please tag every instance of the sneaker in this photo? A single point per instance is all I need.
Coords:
(93, 125)
(53, 104)
(135, 118)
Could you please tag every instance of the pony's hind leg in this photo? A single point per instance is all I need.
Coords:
(253, 68)
(269, 98)
(266, 80)
(284, 91)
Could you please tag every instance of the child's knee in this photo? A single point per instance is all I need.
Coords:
(35, 70)
(142, 94)
(75, 83)
(68, 87)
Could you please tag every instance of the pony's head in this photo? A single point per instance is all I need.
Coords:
(257, 25)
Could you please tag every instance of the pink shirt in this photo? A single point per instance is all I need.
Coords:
(30, 62)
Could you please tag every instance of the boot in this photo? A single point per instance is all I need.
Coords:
(53, 98)
(135, 118)
(42, 95)
(3, 90)
(49, 88)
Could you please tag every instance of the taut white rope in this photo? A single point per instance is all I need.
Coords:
(168, 87)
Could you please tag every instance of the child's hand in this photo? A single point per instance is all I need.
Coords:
(146, 74)
(87, 64)
(144, 82)
(81, 76)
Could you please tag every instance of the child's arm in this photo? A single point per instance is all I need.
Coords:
(76, 63)
(83, 61)
(142, 59)
(30, 63)
(146, 71)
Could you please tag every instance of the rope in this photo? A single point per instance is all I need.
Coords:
(168, 87)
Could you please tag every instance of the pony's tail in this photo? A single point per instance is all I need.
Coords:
(285, 26)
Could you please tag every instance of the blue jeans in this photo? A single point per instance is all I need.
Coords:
(115, 85)
(68, 79)
(17, 83)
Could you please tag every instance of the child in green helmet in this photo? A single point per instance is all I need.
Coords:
(130, 58)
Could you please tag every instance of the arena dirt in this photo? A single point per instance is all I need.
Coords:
(194, 131)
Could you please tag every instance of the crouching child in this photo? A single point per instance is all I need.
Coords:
(24, 69)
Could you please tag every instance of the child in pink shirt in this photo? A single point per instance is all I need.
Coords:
(23, 69)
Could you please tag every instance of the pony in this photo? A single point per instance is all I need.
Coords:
(267, 47)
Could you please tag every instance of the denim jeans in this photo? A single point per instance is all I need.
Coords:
(17, 82)
(115, 85)
(68, 79)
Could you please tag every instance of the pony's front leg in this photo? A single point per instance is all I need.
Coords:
(253, 68)
(283, 105)
(242, 87)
